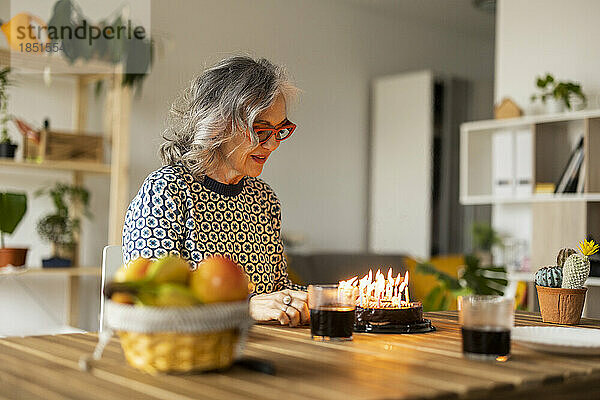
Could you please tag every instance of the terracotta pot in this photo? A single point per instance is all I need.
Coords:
(11, 256)
(561, 306)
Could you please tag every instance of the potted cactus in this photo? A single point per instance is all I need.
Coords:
(560, 288)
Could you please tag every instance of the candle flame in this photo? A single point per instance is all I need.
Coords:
(379, 291)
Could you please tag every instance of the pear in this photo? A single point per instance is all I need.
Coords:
(174, 295)
(136, 270)
(172, 269)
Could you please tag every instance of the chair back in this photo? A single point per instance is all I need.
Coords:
(112, 259)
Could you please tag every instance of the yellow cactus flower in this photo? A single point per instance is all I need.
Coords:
(588, 247)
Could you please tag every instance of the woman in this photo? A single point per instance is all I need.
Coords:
(207, 199)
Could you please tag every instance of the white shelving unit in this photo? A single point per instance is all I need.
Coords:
(546, 222)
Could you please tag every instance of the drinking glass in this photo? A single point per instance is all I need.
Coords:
(486, 322)
(331, 312)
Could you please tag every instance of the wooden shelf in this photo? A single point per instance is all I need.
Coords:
(71, 271)
(74, 166)
(493, 124)
(535, 198)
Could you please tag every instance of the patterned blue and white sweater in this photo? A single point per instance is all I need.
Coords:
(174, 213)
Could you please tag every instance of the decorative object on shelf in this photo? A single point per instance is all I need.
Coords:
(133, 52)
(545, 187)
(43, 144)
(507, 109)
(7, 147)
(473, 279)
(569, 181)
(559, 95)
(33, 147)
(12, 209)
(60, 146)
(17, 41)
(550, 276)
(62, 227)
(564, 304)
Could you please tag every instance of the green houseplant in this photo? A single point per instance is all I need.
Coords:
(12, 209)
(478, 275)
(564, 93)
(473, 279)
(61, 228)
(7, 147)
(484, 239)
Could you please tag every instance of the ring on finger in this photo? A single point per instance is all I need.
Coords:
(287, 300)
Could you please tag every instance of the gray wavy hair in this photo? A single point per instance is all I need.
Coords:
(219, 104)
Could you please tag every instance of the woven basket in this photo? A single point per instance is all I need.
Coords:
(186, 339)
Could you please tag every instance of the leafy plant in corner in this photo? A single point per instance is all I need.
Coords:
(62, 227)
(473, 279)
(134, 53)
(561, 91)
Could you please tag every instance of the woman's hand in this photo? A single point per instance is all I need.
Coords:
(272, 306)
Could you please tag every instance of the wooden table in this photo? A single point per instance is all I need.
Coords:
(371, 367)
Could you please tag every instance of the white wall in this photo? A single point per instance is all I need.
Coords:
(333, 50)
(538, 36)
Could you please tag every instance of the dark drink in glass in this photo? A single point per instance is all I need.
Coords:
(486, 340)
(332, 322)
(331, 312)
(486, 322)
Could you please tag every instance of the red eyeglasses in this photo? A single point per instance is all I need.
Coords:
(282, 132)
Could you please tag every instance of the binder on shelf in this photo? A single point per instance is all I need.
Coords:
(503, 184)
(568, 179)
(523, 163)
(581, 180)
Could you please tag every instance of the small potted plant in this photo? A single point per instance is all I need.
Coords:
(7, 147)
(484, 239)
(560, 288)
(62, 227)
(12, 209)
(558, 96)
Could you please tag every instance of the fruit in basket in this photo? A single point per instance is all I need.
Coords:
(577, 266)
(174, 295)
(549, 277)
(146, 297)
(123, 298)
(169, 269)
(134, 271)
(219, 279)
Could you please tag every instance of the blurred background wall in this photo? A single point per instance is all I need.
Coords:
(333, 49)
